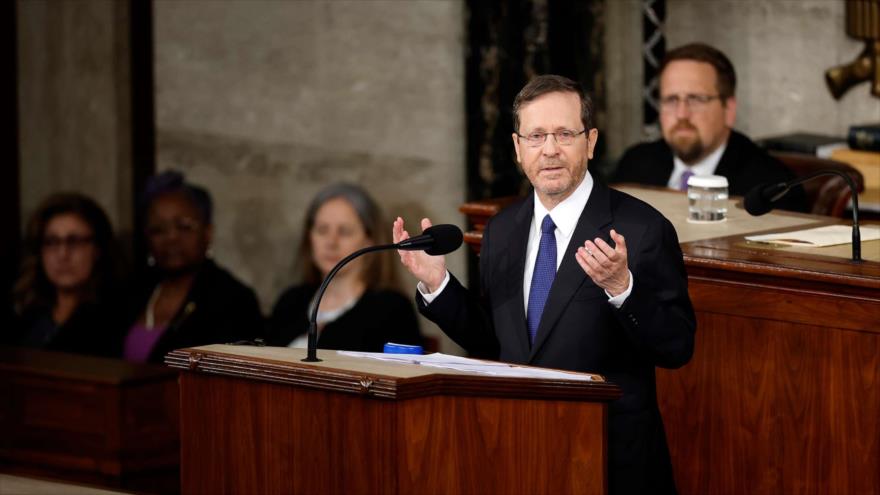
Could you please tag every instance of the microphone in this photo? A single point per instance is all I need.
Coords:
(759, 200)
(435, 241)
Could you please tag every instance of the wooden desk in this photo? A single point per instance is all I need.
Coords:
(98, 421)
(783, 392)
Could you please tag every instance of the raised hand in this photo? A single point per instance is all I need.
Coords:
(604, 264)
(429, 270)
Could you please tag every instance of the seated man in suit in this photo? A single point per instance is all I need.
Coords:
(697, 112)
(575, 276)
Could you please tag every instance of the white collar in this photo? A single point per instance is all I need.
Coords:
(706, 166)
(566, 214)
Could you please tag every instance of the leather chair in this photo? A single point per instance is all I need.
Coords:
(827, 195)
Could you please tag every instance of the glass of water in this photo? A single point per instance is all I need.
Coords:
(707, 198)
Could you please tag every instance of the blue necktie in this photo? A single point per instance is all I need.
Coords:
(683, 185)
(542, 278)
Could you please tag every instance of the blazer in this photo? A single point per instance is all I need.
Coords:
(579, 329)
(378, 317)
(219, 309)
(743, 162)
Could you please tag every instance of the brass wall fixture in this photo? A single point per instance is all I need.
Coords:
(863, 23)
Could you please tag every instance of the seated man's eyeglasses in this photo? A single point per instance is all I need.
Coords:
(692, 102)
(563, 137)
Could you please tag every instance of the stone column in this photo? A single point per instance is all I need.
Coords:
(75, 103)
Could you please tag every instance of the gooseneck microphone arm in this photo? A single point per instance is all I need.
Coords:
(312, 355)
(759, 201)
(434, 241)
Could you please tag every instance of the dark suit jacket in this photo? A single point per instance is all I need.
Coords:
(743, 162)
(219, 309)
(580, 330)
(378, 317)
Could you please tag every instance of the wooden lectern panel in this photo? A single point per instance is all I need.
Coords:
(86, 419)
(492, 445)
(243, 433)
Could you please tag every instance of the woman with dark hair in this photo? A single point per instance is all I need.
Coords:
(187, 299)
(69, 272)
(360, 310)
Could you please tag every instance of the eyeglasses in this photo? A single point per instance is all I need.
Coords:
(182, 225)
(563, 137)
(692, 102)
(70, 242)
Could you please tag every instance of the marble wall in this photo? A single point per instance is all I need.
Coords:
(780, 48)
(265, 102)
(623, 73)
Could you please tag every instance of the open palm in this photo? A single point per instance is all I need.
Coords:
(429, 270)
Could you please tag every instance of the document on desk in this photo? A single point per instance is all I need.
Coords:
(494, 368)
(829, 235)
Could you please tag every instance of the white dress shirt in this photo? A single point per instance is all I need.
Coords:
(565, 216)
(704, 167)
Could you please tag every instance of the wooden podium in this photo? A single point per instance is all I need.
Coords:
(259, 420)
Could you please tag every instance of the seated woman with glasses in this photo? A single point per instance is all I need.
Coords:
(187, 300)
(360, 310)
(69, 274)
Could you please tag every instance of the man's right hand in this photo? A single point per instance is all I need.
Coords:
(429, 270)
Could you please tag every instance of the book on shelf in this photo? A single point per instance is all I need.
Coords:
(820, 145)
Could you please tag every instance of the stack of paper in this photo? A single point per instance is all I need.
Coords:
(447, 361)
(829, 235)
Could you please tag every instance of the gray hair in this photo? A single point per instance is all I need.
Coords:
(379, 268)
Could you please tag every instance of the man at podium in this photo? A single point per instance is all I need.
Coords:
(575, 276)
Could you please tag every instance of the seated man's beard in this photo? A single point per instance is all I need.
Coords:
(688, 150)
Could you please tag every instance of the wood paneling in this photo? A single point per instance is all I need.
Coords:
(778, 303)
(93, 420)
(251, 435)
(502, 446)
(783, 392)
(775, 407)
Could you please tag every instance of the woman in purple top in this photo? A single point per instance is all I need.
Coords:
(187, 300)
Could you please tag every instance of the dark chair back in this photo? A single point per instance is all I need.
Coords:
(827, 195)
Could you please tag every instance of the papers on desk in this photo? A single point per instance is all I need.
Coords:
(494, 368)
(829, 235)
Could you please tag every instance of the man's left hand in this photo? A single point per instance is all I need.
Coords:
(604, 264)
